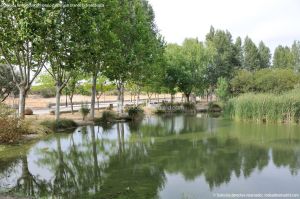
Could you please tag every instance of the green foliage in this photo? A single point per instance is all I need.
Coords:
(84, 111)
(283, 58)
(242, 82)
(214, 107)
(7, 85)
(11, 128)
(188, 106)
(222, 56)
(296, 55)
(62, 124)
(45, 86)
(107, 117)
(135, 112)
(265, 107)
(264, 55)
(185, 66)
(251, 55)
(265, 80)
(222, 90)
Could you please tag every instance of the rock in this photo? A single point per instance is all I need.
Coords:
(28, 111)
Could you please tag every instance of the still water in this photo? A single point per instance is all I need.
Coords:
(172, 157)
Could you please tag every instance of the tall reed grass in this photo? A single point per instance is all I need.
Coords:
(269, 108)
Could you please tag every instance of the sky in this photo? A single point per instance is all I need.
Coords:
(272, 21)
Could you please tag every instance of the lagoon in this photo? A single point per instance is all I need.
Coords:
(170, 156)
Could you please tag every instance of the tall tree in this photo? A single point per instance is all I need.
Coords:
(283, 58)
(251, 55)
(296, 55)
(22, 44)
(264, 56)
(135, 44)
(239, 52)
(96, 40)
(61, 49)
(223, 56)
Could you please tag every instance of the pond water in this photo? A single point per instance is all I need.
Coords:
(160, 157)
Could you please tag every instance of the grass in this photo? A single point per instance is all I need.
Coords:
(269, 108)
(107, 117)
(62, 124)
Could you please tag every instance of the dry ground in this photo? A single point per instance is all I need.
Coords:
(36, 102)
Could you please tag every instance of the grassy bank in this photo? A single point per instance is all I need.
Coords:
(271, 108)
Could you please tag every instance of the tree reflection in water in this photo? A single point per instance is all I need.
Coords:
(132, 160)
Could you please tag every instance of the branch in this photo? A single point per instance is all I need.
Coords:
(10, 65)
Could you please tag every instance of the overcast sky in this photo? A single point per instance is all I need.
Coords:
(273, 21)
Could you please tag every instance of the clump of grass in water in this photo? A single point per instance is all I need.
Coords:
(60, 124)
(268, 108)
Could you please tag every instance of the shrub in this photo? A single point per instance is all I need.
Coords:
(214, 107)
(265, 80)
(59, 125)
(166, 107)
(107, 117)
(11, 128)
(135, 112)
(84, 111)
(222, 90)
(28, 111)
(45, 92)
(189, 106)
(265, 107)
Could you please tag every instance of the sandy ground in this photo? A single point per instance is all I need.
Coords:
(36, 102)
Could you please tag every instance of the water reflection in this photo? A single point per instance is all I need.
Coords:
(156, 158)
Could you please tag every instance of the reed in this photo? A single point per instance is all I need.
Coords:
(268, 108)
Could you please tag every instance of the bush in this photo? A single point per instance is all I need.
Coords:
(189, 106)
(59, 125)
(265, 80)
(222, 90)
(11, 128)
(135, 112)
(265, 107)
(168, 107)
(107, 117)
(45, 92)
(28, 111)
(84, 110)
(214, 107)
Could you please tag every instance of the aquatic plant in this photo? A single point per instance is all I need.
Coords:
(265, 107)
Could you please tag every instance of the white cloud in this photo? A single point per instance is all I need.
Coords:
(273, 21)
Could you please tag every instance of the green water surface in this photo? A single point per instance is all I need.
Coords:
(160, 157)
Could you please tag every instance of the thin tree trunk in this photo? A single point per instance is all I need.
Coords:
(172, 98)
(137, 98)
(187, 95)
(71, 102)
(57, 107)
(120, 97)
(66, 100)
(22, 97)
(93, 100)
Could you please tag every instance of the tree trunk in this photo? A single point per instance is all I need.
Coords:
(93, 100)
(57, 107)
(137, 97)
(120, 97)
(172, 98)
(22, 97)
(71, 102)
(187, 95)
(66, 100)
